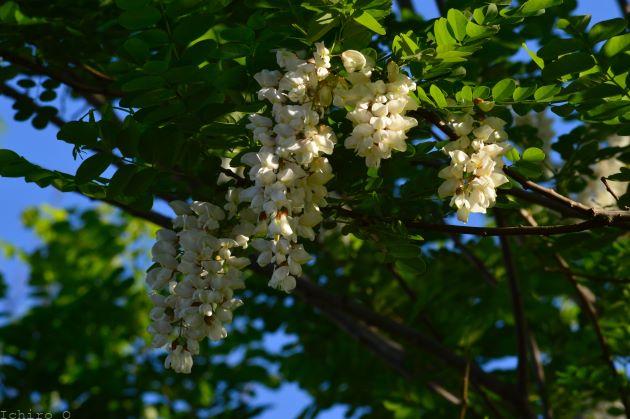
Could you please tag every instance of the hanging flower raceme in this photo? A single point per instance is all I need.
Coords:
(193, 281)
(289, 171)
(476, 167)
(197, 263)
(378, 108)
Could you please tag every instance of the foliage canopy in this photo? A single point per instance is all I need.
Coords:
(396, 286)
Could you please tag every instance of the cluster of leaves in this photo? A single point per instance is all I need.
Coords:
(170, 85)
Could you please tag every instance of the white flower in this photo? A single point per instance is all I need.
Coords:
(353, 60)
(268, 78)
(180, 360)
(379, 109)
(476, 166)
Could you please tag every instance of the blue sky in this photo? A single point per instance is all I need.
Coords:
(38, 147)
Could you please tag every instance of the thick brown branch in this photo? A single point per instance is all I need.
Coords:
(543, 201)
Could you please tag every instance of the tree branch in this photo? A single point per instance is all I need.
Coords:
(475, 261)
(620, 218)
(327, 301)
(491, 231)
(539, 371)
(586, 301)
(423, 342)
(625, 7)
(62, 75)
(588, 307)
(441, 7)
(391, 353)
(519, 313)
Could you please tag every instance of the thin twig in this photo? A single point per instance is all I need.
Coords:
(462, 412)
(610, 191)
(519, 314)
(475, 261)
(539, 371)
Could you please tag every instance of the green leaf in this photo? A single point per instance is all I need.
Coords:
(119, 181)
(512, 155)
(48, 95)
(458, 22)
(92, 167)
(26, 83)
(404, 251)
(466, 93)
(539, 61)
(411, 267)
(442, 35)
(423, 97)
(616, 44)
(370, 22)
(141, 181)
(404, 45)
(479, 15)
(137, 49)
(131, 4)
(622, 176)
(568, 64)
(523, 92)
(477, 31)
(533, 6)
(139, 18)
(503, 89)
(79, 133)
(533, 154)
(143, 83)
(606, 29)
(546, 93)
(482, 92)
(574, 24)
(528, 169)
(558, 46)
(438, 96)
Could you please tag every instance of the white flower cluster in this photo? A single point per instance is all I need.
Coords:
(289, 171)
(194, 281)
(379, 108)
(197, 271)
(476, 168)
